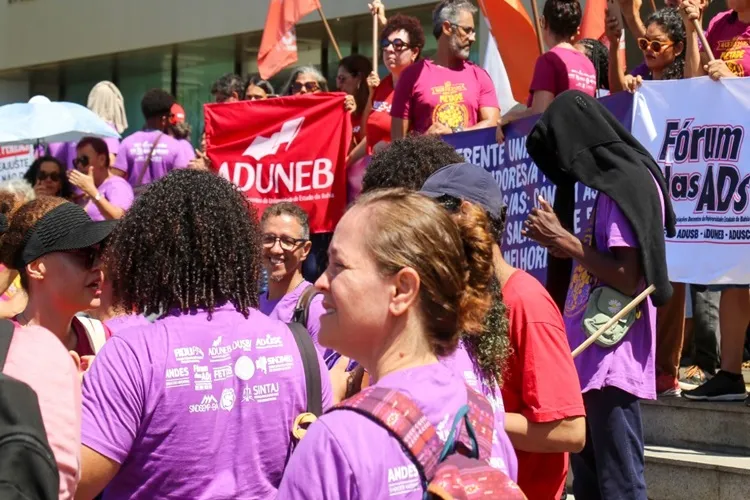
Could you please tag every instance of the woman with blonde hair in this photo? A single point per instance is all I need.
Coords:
(398, 297)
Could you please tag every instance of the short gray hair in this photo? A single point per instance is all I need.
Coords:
(449, 10)
(20, 188)
(287, 208)
(310, 70)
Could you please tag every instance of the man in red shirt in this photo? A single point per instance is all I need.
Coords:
(541, 392)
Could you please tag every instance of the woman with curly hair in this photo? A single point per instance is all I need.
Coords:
(49, 177)
(409, 280)
(200, 403)
(663, 47)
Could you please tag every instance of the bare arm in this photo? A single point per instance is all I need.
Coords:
(399, 128)
(631, 14)
(107, 209)
(96, 473)
(539, 104)
(567, 435)
(356, 154)
(488, 117)
(694, 59)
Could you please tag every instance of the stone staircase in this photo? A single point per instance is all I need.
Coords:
(695, 450)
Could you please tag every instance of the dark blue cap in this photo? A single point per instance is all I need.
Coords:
(469, 183)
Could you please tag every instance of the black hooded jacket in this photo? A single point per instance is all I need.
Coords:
(578, 139)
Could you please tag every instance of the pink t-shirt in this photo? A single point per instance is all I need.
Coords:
(428, 92)
(38, 358)
(729, 39)
(562, 69)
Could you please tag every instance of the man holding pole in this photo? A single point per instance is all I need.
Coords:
(449, 94)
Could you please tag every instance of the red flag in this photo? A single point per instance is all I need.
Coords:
(278, 48)
(284, 149)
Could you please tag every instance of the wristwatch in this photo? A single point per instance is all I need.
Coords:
(98, 196)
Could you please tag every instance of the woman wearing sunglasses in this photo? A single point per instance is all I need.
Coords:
(48, 178)
(401, 43)
(663, 47)
(308, 80)
(107, 196)
(54, 245)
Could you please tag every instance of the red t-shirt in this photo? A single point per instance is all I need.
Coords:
(379, 121)
(357, 132)
(541, 382)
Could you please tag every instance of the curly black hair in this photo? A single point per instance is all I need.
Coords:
(408, 162)
(156, 103)
(563, 17)
(490, 350)
(411, 25)
(191, 241)
(670, 21)
(598, 54)
(66, 189)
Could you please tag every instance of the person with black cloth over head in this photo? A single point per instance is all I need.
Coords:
(622, 253)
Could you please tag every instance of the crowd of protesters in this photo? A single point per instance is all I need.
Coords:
(150, 299)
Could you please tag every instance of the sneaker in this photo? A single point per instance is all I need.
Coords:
(667, 386)
(720, 388)
(693, 377)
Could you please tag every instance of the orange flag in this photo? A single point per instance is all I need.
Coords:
(278, 48)
(516, 40)
(593, 25)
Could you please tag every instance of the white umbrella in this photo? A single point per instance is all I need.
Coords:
(41, 120)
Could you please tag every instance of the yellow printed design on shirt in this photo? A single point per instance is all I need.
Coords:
(580, 282)
(451, 110)
(733, 52)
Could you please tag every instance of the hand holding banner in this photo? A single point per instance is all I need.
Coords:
(285, 149)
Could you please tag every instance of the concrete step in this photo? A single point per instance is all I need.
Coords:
(679, 473)
(680, 423)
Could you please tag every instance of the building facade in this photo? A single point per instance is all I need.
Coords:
(61, 49)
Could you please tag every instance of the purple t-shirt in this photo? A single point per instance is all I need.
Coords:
(561, 69)
(283, 310)
(187, 148)
(347, 456)
(196, 408)
(66, 152)
(630, 364)
(428, 92)
(115, 190)
(125, 321)
(134, 150)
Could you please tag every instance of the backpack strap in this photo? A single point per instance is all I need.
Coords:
(482, 420)
(302, 309)
(6, 336)
(147, 163)
(311, 367)
(402, 418)
(95, 332)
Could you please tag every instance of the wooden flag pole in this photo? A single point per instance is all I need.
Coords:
(375, 42)
(702, 38)
(330, 33)
(535, 13)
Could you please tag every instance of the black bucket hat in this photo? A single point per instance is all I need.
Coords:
(62, 229)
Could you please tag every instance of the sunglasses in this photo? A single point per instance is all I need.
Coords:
(655, 45)
(86, 256)
(309, 86)
(398, 44)
(82, 160)
(43, 176)
(286, 242)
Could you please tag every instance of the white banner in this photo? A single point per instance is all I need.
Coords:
(15, 161)
(696, 130)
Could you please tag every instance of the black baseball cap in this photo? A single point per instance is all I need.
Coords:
(64, 228)
(469, 183)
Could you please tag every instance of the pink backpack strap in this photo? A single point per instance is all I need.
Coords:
(482, 419)
(397, 413)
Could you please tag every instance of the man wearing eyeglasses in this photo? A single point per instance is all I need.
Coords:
(448, 94)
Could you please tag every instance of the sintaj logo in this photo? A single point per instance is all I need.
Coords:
(264, 146)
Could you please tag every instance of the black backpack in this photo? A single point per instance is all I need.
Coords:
(28, 470)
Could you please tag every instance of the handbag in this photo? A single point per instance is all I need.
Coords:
(603, 304)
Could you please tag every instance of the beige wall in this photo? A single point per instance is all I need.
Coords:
(34, 32)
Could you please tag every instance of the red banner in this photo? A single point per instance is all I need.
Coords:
(284, 149)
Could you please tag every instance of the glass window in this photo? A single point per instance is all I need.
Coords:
(45, 81)
(138, 72)
(199, 65)
(79, 77)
